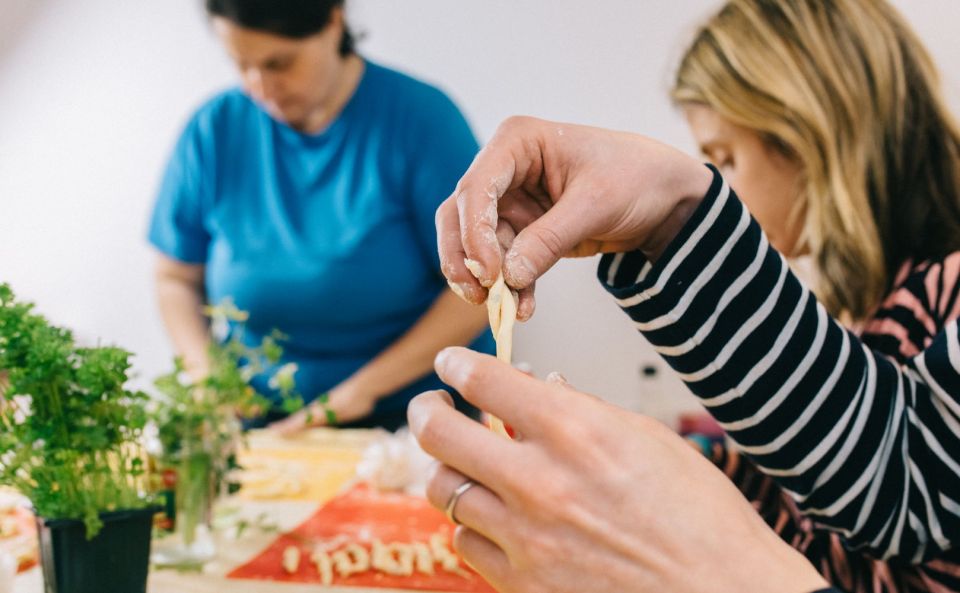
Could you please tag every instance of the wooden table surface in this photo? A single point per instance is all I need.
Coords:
(286, 502)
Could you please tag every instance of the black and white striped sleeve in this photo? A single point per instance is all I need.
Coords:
(867, 448)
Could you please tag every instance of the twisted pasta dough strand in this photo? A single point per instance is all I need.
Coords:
(502, 311)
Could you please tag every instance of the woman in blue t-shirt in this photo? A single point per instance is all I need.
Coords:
(308, 197)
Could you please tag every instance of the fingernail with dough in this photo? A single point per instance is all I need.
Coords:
(457, 290)
(557, 378)
(527, 306)
(475, 267)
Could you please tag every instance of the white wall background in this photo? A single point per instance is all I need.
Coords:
(93, 94)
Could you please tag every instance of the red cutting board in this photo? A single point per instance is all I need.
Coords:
(361, 515)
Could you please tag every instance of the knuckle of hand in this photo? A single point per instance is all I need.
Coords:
(522, 486)
(440, 216)
(542, 553)
(514, 123)
(553, 501)
(550, 240)
(648, 425)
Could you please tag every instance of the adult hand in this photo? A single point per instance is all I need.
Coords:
(591, 498)
(540, 190)
(343, 405)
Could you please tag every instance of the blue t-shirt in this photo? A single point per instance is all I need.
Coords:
(329, 237)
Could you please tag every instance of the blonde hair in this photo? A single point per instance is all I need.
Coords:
(845, 88)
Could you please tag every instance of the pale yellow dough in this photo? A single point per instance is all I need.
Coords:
(502, 311)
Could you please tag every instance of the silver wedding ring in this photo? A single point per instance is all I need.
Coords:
(452, 503)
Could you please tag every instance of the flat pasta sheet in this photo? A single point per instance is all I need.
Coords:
(371, 520)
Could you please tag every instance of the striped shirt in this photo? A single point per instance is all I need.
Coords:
(859, 435)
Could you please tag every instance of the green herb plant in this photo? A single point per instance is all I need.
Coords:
(197, 419)
(69, 429)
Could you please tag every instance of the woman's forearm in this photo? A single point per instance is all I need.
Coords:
(846, 431)
(448, 322)
(180, 296)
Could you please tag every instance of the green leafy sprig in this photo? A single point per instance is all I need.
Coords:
(206, 408)
(197, 418)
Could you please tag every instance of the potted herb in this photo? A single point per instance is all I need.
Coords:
(198, 427)
(69, 441)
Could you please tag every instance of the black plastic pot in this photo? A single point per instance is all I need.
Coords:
(115, 561)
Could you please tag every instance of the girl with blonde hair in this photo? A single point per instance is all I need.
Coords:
(830, 139)
(827, 119)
